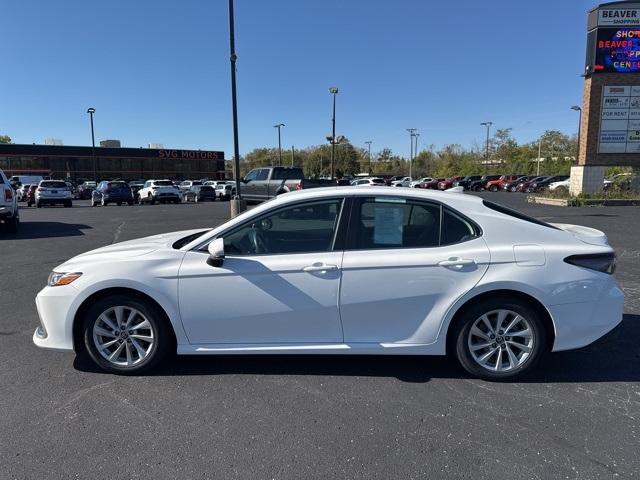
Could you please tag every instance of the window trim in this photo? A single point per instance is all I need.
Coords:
(338, 234)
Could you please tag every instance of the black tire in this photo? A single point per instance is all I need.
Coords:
(12, 224)
(130, 203)
(38, 205)
(151, 200)
(140, 201)
(468, 317)
(196, 199)
(493, 188)
(68, 204)
(119, 204)
(163, 346)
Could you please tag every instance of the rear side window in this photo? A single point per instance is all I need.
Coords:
(287, 174)
(53, 184)
(386, 222)
(513, 213)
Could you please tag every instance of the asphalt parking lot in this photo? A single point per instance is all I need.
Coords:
(304, 417)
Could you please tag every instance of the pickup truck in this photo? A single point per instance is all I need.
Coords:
(265, 183)
(9, 213)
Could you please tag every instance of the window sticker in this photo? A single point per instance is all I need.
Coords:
(387, 227)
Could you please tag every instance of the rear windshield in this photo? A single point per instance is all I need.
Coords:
(377, 180)
(163, 183)
(196, 183)
(516, 214)
(52, 184)
(118, 185)
(206, 188)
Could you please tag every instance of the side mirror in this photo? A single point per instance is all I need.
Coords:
(245, 180)
(216, 253)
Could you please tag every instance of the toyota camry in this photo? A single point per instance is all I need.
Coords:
(339, 270)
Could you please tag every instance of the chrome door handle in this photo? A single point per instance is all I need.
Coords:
(457, 262)
(319, 267)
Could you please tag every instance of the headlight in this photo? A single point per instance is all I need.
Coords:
(59, 278)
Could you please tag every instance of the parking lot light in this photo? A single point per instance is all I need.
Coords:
(91, 111)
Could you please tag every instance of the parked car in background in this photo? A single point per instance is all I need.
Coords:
(9, 212)
(479, 185)
(622, 181)
(511, 185)
(135, 186)
(497, 184)
(432, 184)
(83, 191)
(117, 192)
(21, 192)
(372, 182)
(394, 178)
(543, 184)
(403, 182)
(224, 191)
(163, 191)
(17, 181)
(215, 183)
(268, 182)
(190, 185)
(415, 183)
(202, 193)
(526, 186)
(31, 195)
(553, 186)
(53, 192)
(448, 182)
(464, 182)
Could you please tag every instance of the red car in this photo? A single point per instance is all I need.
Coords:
(526, 186)
(31, 195)
(432, 185)
(448, 182)
(495, 185)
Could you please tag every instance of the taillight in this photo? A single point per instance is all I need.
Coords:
(602, 262)
(299, 186)
(8, 195)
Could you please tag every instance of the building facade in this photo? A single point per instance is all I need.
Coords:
(75, 162)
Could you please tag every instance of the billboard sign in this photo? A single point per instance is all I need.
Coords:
(620, 119)
(617, 50)
(618, 16)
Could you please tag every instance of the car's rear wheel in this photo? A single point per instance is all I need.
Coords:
(126, 335)
(500, 339)
(493, 188)
(11, 225)
(150, 198)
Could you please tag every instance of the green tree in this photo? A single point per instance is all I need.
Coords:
(5, 139)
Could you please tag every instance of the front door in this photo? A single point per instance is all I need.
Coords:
(405, 263)
(279, 282)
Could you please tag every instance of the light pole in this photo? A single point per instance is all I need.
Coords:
(488, 125)
(578, 109)
(292, 154)
(539, 153)
(368, 144)
(333, 91)
(237, 203)
(279, 126)
(91, 111)
(412, 133)
(415, 152)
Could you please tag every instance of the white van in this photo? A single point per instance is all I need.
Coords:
(18, 180)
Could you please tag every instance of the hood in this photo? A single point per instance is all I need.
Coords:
(584, 234)
(137, 247)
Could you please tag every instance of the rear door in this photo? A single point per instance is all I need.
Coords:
(406, 261)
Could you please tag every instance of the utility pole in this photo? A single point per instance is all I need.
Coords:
(368, 143)
(415, 152)
(279, 126)
(486, 164)
(292, 154)
(539, 152)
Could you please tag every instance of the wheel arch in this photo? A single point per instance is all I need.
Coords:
(458, 315)
(78, 344)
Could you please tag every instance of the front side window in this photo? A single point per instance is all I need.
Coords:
(300, 228)
(251, 175)
(263, 174)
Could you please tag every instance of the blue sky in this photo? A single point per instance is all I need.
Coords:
(158, 71)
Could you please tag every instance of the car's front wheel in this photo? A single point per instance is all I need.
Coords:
(126, 335)
(500, 339)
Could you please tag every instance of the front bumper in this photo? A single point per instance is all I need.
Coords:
(579, 324)
(54, 305)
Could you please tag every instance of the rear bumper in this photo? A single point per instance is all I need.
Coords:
(117, 198)
(54, 201)
(579, 324)
(6, 213)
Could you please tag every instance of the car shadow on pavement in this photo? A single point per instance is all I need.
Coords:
(46, 230)
(613, 358)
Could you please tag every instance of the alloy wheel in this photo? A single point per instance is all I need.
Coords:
(123, 336)
(501, 340)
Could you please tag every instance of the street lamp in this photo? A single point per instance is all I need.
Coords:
(579, 110)
(412, 133)
(237, 203)
(488, 125)
(368, 144)
(279, 126)
(91, 111)
(333, 91)
(415, 151)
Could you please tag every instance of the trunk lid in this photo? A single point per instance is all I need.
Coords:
(588, 235)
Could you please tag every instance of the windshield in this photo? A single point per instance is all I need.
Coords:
(163, 183)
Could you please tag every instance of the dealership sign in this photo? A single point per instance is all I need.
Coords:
(620, 120)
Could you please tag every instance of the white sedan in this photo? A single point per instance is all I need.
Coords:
(341, 271)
